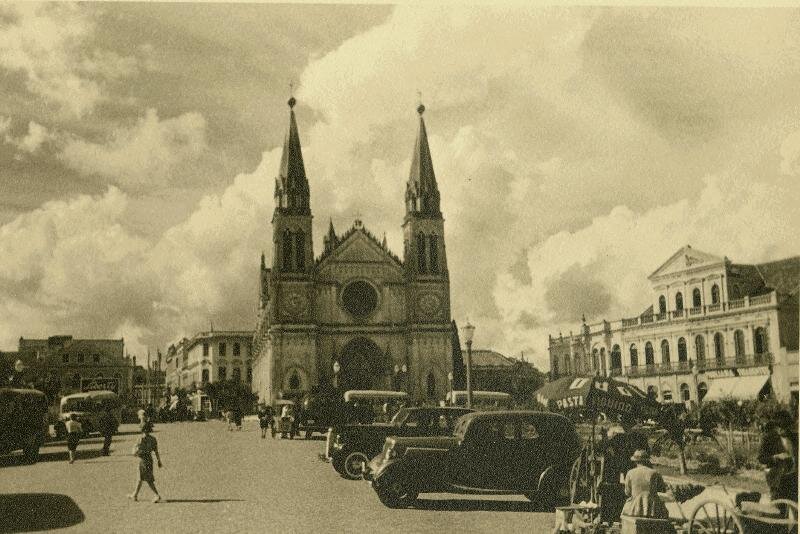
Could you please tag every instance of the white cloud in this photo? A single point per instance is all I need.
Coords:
(29, 143)
(50, 44)
(573, 272)
(790, 154)
(149, 153)
(533, 149)
(37, 135)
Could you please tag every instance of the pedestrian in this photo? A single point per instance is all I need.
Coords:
(144, 449)
(642, 485)
(74, 431)
(264, 418)
(229, 418)
(237, 418)
(107, 425)
(778, 453)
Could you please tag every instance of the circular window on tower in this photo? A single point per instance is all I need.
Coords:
(359, 298)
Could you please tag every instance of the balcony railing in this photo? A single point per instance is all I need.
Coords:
(746, 360)
(698, 311)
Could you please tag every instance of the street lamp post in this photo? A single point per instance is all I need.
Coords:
(469, 330)
(336, 369)
(450, 385)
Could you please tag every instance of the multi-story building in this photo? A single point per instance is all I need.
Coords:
(714, 329)
(212, 356)
(69, 365)
(351, 315)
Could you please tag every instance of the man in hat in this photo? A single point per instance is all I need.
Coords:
(778, 453)
(642, 485)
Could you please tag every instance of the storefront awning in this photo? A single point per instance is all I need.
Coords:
(736, 387)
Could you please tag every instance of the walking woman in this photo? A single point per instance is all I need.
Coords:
(74, 431)
(146, 445)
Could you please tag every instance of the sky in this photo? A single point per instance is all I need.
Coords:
(575, 149)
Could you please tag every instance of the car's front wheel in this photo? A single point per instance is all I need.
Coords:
(396, 495)
(353, 465)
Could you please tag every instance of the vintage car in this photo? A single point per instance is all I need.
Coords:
(520, 452)
(355, 444)
(481, 400)
(23, 421)
(364, 406)
(88, 407)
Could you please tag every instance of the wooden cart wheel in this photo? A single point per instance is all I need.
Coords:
(789, 516)
(715, 517)
(579, 480)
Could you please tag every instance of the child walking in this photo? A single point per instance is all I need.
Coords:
(146, 445)
(74, 431)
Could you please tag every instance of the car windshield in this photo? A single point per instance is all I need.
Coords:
(77, 405)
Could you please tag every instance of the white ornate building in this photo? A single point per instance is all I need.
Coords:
(714, 329)
(384, 321)
(212, 356)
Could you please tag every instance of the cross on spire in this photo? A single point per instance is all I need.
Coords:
(292, 99)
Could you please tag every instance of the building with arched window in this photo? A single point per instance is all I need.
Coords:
(738, 338)
(382, 318)
(212, 356)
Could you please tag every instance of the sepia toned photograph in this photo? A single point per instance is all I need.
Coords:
(399, 268)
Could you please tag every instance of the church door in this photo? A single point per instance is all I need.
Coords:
(363, 366)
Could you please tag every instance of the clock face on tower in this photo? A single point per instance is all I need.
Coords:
(295, 303)
(429, 305)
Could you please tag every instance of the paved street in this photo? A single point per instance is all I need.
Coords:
(219, 481)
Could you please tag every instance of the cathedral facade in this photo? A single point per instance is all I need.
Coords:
(356, 316)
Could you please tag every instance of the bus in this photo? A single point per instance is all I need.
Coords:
(88, 407)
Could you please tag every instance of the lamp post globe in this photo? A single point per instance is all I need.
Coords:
(336, 368)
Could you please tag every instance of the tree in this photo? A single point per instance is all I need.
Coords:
(230, 394)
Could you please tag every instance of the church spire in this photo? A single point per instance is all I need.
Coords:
(330, 240)
(291, 186)
(422, 193)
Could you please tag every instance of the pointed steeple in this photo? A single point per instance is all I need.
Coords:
(330, 240)
(291, 185)
(263, 261)
(422, 193)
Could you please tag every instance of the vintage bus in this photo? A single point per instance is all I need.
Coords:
(88, 406)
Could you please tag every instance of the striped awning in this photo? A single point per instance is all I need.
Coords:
(737, 387)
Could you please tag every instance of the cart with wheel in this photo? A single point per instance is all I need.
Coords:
(719, 516)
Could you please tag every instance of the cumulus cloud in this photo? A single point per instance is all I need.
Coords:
(150, 152)
(601, 269)
(790, 154)
(561, 191)
(49, 44)
(29, 143)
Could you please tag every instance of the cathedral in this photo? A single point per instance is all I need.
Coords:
(356, 316)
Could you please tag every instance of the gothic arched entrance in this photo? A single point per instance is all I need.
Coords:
(363, 365)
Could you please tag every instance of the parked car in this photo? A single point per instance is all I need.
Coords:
(355, 444)
(319, 412)
(520, 452)
(23, 421)
(481, 400)
(363, 406)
